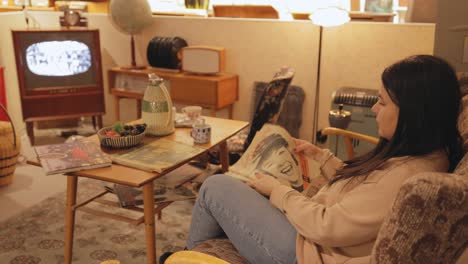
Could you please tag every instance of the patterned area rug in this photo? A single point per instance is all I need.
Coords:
(37, 234)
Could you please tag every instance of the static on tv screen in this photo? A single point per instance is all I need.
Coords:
(58, 59)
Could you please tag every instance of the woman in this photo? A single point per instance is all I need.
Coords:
(416, 115)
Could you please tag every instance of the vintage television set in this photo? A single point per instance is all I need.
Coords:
(59, 74)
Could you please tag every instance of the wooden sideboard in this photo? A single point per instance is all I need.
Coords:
(214, 92)
(97, 6)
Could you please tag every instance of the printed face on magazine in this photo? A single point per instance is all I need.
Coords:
(282, 165)
(271, 156)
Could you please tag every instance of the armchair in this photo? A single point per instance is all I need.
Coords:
(427, 224)
(348, 137)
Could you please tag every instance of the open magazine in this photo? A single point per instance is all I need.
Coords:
(271, 153)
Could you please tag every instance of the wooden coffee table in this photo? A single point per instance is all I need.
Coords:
(222, 129)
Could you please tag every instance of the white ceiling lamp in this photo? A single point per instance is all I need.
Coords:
(329, 16)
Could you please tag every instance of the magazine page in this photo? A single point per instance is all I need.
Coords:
(131, 196)
(272, 153)
(71, 156)
(157, 155)
(170, 187)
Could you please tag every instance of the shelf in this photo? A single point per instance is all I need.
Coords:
(372, 17)
(126, 93)
(214, 92)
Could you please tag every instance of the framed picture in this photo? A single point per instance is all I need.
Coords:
(41, 3)
(379, 6)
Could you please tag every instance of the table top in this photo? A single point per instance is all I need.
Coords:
(221, 129)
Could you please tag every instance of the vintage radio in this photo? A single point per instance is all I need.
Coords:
(203, 59)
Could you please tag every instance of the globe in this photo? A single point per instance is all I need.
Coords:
(130, 17)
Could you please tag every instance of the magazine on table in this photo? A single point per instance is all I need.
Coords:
(272, 153)
(71, 156)
(157, 155)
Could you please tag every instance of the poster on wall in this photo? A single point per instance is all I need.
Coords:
(379, 6)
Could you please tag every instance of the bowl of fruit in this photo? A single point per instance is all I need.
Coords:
(121, 135)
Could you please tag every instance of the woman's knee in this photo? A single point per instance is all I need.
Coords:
(216, 186)
(216, 182)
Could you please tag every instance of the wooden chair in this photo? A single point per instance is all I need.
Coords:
(348, 137)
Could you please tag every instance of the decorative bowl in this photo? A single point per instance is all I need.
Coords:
(119, 142)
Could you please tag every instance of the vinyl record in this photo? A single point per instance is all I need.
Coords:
(150, 52)
(159, 52)
(163, 52)
(175, 58)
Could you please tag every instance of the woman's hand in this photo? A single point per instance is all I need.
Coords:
(263, 184)
(307, 148)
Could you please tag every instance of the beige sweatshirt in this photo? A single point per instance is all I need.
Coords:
(340, 223)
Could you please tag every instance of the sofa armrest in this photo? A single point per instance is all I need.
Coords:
(221, 248)
(193, 257)
(428, 222)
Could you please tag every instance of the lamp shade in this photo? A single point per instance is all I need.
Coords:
(330, 17)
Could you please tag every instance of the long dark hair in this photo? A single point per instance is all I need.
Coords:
(427, 92)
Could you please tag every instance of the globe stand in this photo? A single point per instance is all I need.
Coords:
(133, 65)
(130, 17)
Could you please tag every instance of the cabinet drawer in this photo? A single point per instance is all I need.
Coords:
(194, 91)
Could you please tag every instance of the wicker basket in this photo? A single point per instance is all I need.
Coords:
(119, 142)
(9, 150)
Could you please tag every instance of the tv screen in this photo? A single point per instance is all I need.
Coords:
(53, 60)
(59, 73)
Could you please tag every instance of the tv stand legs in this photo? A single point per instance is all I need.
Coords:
(30, 131)
(97, 122)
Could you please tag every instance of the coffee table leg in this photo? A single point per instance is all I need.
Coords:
(72, 182)
(148, 200)
(224, 156)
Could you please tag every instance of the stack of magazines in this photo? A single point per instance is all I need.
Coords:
(71, 156)
(177, 185)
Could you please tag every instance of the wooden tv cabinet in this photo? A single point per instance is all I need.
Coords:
(59, 84)
(214, 92)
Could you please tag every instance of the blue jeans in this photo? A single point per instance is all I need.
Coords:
(228, 207)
